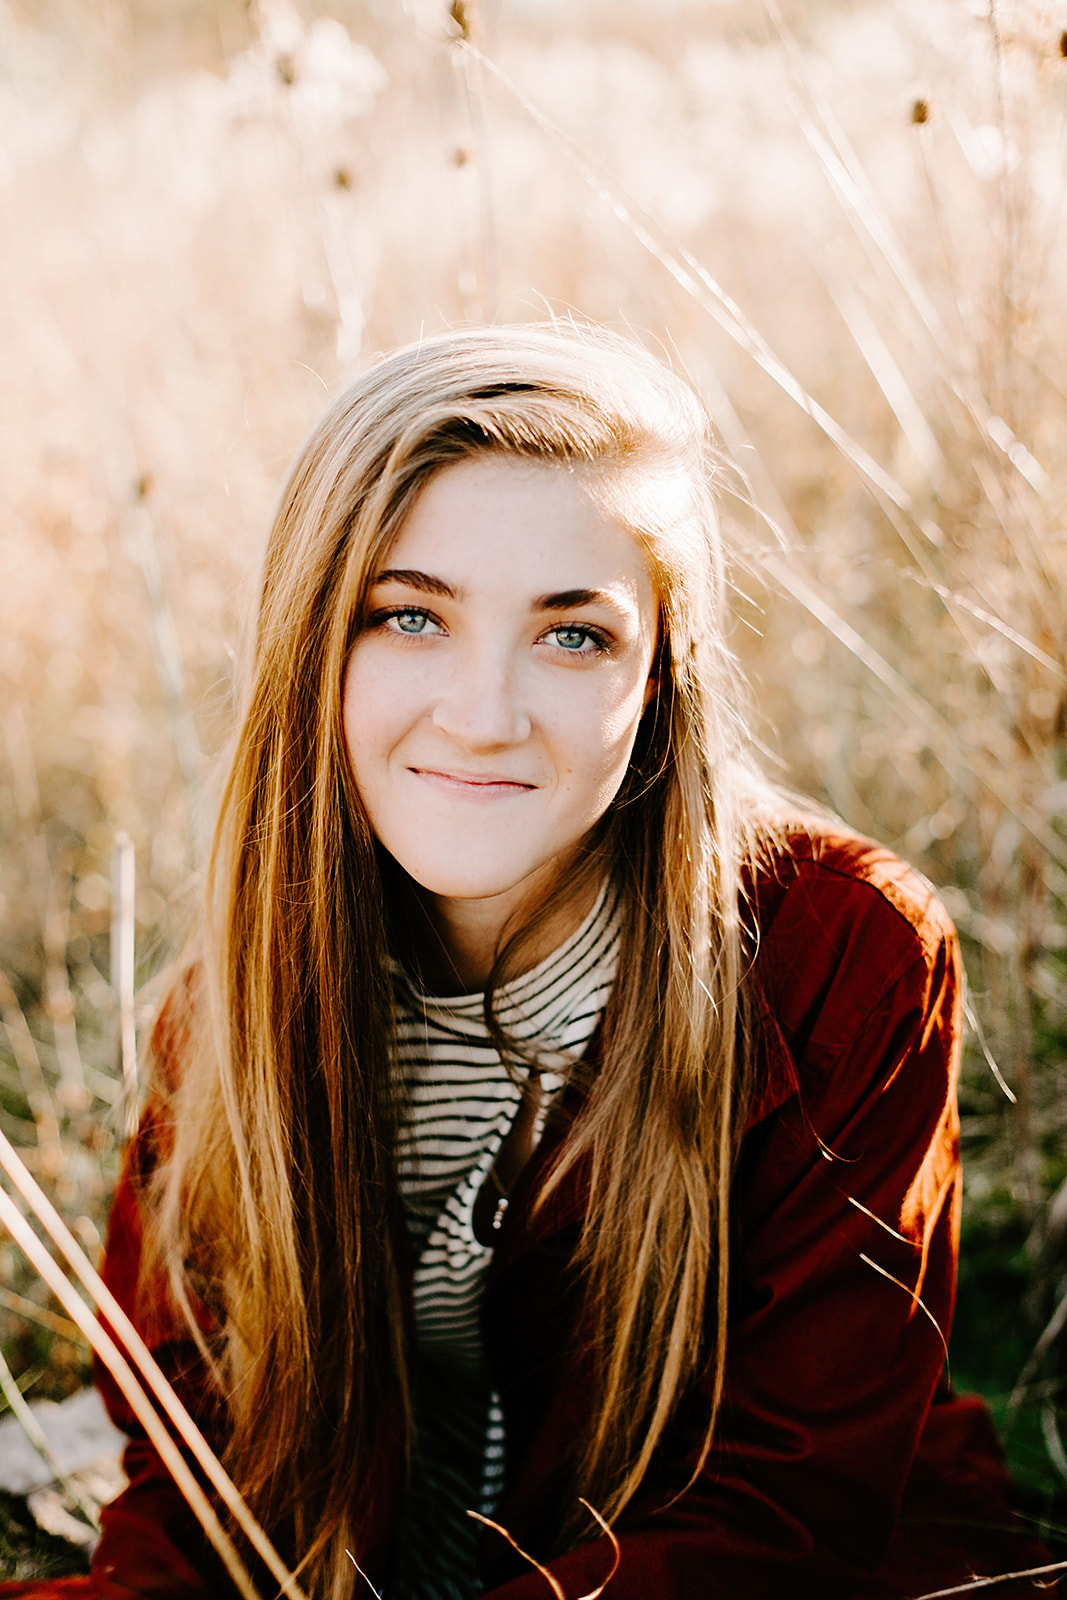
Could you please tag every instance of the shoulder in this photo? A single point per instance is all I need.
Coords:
(819, 870)
(846, 930)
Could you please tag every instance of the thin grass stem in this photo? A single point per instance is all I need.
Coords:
(39, 1440)
(123, 968)
(1002, 1577)
(142, 1359)
(110, 1355)
(34, 1084)
(62, 1327)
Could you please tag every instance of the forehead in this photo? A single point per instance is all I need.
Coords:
(519, 526)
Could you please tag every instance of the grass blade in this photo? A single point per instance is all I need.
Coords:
(150, 1373)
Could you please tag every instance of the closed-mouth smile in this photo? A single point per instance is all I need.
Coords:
(473, 785)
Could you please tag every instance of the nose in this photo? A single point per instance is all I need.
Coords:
(479, 704)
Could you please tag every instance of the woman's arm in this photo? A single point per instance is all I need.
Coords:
(845, 1211)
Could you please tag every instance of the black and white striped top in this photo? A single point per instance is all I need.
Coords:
(459, 1101)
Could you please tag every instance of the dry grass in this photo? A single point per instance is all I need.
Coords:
(844, 221)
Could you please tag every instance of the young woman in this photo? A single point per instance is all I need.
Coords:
(544, 1114)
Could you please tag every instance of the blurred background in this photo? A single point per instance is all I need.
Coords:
(843, 219)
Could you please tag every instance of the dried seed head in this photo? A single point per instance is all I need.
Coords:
(342, 178)
(1063, 44)
(463, 14)
(920, 112)
(285, 67)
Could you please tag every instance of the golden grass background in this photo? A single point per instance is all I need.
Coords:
(844, 221)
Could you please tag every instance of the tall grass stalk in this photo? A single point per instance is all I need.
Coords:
(137, 1375)
(123, 964)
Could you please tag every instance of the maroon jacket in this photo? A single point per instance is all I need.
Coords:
(843, 1464)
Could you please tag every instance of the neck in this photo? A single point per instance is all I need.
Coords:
(458, 941)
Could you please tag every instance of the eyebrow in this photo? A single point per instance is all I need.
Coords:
(411, 579)
(567, 599)
(562, 600)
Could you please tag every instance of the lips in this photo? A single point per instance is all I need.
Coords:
(474, 786)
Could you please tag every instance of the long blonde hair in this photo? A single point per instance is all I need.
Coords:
(277, 1203)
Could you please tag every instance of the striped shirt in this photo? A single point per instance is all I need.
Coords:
(459, 1101)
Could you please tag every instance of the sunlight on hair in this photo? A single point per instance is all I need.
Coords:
(552, 1581)
(375, 1592)
(916, 1300)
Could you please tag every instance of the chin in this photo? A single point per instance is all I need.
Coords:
(453, 880)
(456, 886)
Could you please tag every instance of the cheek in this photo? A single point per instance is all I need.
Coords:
(369, 712)
(599, 737)
(377, 700)
(353, 699)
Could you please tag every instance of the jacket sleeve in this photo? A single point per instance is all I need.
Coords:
(845, 1212)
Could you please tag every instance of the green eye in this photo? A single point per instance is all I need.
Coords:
(571, 638)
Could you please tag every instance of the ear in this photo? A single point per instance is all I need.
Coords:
(651, 688)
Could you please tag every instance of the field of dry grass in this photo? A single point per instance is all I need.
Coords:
(845, 221)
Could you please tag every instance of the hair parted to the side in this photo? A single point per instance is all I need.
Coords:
(276, 1204)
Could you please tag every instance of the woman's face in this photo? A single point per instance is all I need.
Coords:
(492, 698)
